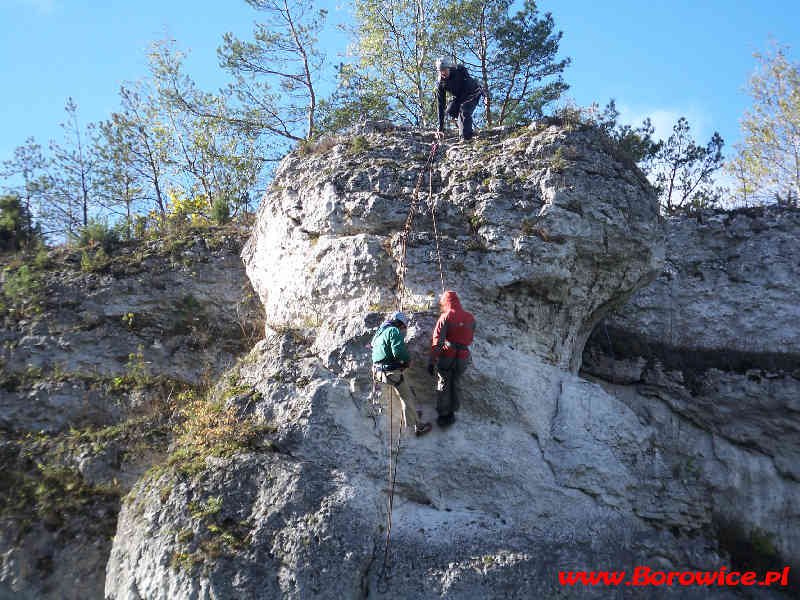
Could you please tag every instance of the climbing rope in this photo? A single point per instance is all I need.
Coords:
(401, 278)
(432, 204)
(383, 577)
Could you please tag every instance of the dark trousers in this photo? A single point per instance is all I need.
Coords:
(448, 387)
(462, 111)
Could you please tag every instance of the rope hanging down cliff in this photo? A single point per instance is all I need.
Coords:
(401, 292)
(401, 277)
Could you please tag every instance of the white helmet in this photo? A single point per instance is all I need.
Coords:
(443, 63)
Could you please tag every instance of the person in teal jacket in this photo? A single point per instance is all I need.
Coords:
(390, 357)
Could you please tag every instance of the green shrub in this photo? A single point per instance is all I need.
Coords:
(358, 144)
(16, 224)
(221, 211)
(42, 259)
(22, 286)
(94, 262)
(98, 233)
(124, 229)
(139, 226)
(557, 162)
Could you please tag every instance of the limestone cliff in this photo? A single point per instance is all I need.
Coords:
(543, 231)
(94, 354)
(712, 346)
(659, 443)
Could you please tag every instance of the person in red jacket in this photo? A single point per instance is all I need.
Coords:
(450, 355)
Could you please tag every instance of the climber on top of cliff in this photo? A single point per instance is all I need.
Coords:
(450, 355)
(390, 357)
(466, 94)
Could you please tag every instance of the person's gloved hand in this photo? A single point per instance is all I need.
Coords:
(430, 369)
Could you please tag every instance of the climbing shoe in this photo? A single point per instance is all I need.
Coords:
(446, 420)
(422, 429)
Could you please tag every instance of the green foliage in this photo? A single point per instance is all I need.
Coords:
(98, 234)
(221, 211)
(681, 170)
(139, 227)
(16, 224)
(29, 165)
(210, 428)
(36, 488)
(41, 261)
(356, 97)
(72, 196)
(631, 144)
(684, 170)
(395, 43)
(557, 162)
(476, 221)
(216, 143)
(204, 510)
(136, 150)
(137, 369)
(276, 74)
(215, 535)
(22, 288)
(137, 373)
(358, 145)
(511, 54)
(94, 262)
(767, 164)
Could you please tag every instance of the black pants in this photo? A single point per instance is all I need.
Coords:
(462, 111)
(448, 386)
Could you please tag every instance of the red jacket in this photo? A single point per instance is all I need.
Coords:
(454, 329)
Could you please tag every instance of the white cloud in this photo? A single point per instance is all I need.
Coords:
(664, 119)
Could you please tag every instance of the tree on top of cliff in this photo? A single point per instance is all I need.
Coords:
(681, 170)
(276, 74)
(684, 170)
(214, 151)
(16, 224)
(768, 161)
(396, 43)
(72, 197)
(510, 55)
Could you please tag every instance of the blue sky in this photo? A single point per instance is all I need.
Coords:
(659, 59)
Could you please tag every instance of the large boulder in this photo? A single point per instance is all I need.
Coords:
(542, 231)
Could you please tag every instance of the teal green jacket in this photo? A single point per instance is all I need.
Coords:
(388, 346)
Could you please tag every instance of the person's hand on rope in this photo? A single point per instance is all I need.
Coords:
(439, 135)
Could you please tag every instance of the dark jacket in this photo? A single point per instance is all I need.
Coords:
(458, 83)
(454, 329)
(389, 348)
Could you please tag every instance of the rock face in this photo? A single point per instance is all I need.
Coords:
(543, 231)
(157, 312)
(662, 442)
(81, 370)
(712, 345)
(546, 231)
